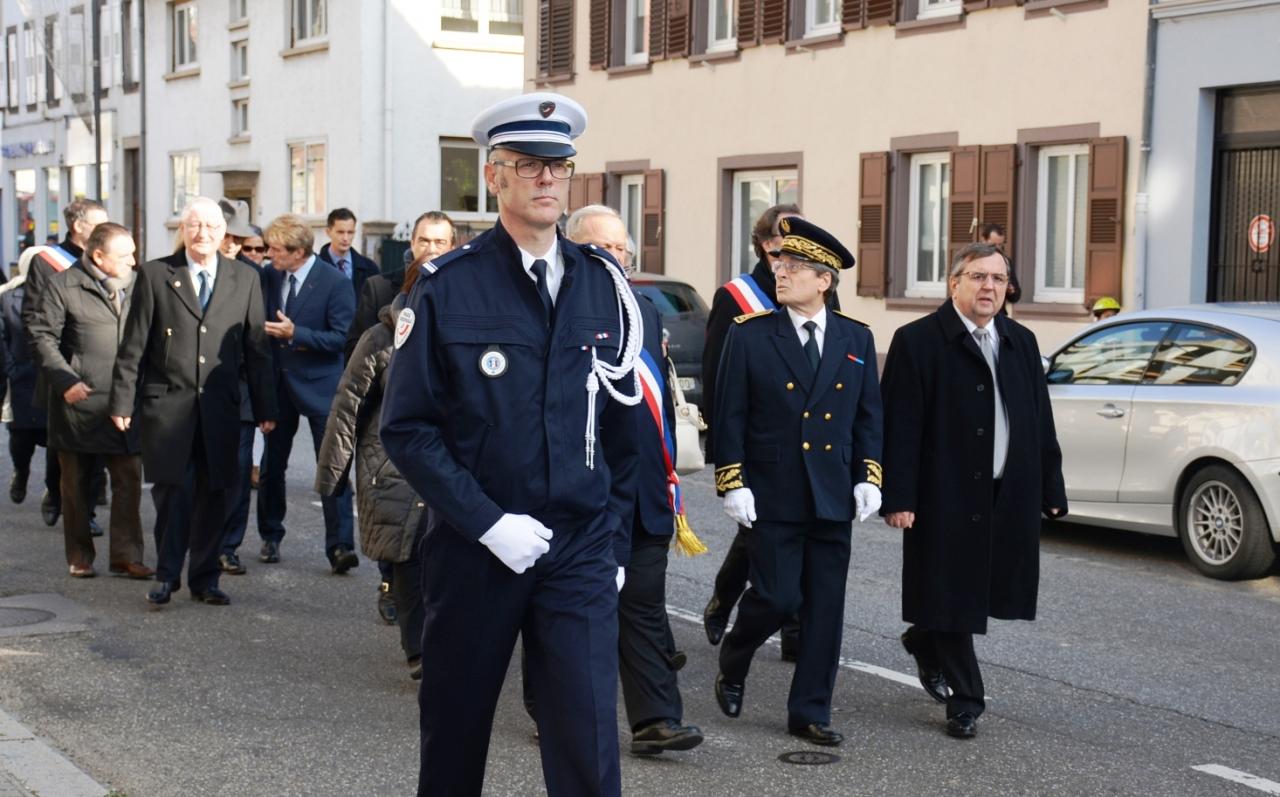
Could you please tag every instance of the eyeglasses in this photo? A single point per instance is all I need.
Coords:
(789, 266)
(258, 249)
(981, 277)
(529, 168)
(197, 226)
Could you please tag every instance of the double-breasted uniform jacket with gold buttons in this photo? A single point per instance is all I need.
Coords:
(799, 440)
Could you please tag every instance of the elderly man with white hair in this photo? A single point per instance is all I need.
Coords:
(196, 320)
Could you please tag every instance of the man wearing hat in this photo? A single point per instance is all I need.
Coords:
(509, 408)
(798, 435)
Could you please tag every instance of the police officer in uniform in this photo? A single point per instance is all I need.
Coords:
(511, 396)
(798, 435)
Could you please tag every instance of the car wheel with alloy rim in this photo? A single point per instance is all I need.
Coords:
(1222, 526)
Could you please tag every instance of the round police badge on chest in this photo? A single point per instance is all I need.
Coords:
(493, 363)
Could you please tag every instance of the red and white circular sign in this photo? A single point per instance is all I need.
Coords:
(1262, 231)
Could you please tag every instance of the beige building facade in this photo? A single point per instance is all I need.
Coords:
(899, 125)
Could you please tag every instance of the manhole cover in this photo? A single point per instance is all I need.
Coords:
(13, 618)
(808, 758)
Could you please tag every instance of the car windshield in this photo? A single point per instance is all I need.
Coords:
(672, 298)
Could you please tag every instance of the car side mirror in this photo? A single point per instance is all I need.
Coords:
(1060, 376)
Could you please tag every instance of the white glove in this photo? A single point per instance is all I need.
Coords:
(518, 540)
(866, 500)
(740, 505)
(622, 577)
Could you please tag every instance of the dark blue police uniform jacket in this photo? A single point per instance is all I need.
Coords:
(309, 366)
(476, 445)
(799, 441)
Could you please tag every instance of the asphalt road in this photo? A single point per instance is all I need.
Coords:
(1138, 670)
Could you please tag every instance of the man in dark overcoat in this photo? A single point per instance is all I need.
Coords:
(971, 462)
(196, 319)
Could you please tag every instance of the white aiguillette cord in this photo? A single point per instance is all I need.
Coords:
(608, 373)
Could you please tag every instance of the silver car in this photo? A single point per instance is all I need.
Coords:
(1169, 422)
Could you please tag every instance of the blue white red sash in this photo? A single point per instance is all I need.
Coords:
(654, 387)
(750, 297)
(59, 259)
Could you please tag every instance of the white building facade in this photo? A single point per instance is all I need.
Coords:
(309, 105)
(51, 133)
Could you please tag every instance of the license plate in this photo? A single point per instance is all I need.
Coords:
(687, 382)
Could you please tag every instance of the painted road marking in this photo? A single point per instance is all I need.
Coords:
(1243, 778)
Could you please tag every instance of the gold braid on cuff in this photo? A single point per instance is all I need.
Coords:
(729, 477)
(874, 474)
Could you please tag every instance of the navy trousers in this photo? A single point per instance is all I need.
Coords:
(566, 608)
(794, 567)
(339, 523)
(240, 495)
(189, 515)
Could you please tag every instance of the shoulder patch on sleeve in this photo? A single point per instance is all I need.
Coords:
(404, 326)
(748, 316)
(843, 314)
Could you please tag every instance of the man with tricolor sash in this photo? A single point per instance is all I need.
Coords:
(798, 427)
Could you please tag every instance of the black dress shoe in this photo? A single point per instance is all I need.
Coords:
(230, 564)
(18, 485)
(962, 726)
(386, 604)
(714, 621)
(415, 669)
(343, 559)
(665, 735)
(678, 660)
(161, 594)
(94, 529)
(212, 596)
(818, 733)
(270, 553)
(729, 696)
(931, 678)
(50, 508)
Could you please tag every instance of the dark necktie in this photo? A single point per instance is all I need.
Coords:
(204, 289)
(811, 345)
(342, 267)
(293, 294)
(540, 271)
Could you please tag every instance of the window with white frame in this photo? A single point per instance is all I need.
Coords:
(927, 224)
(11, 68)
(240, 117)
(239, 10)
(631, 208)
(1062, 186)
(309, 22)
(184, 180)
(183, 24)
(34, 72)
(498, 17)
(53, 59)
(77, 32)
(462, 186)
(637, 32)
(239, 61)
(108, 45)
(932, 9)
(307, 178)
(821, 17)
(722, 26)
(755, 192)
(131, 48)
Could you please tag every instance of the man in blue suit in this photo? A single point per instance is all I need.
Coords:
(309, 308)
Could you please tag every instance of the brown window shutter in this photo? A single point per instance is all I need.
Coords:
(577, 192)
(773, 20)
(555, 38)
(1104, 238)
(599, 25)
(657, 30)
(997, 189)
(882, 12)
(748, 23)
(654, 233)
(963, 230)
(594, 189)
(851, 12)
(873, 223)
(976, 5)
(677, 28)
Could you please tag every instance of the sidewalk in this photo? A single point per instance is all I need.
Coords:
(31, 768)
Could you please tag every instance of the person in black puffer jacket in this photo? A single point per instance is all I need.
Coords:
(390, 512)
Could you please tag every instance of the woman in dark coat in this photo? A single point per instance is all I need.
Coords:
(390, 512)
(25, 422)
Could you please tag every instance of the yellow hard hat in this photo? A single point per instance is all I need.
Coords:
(1106, 303)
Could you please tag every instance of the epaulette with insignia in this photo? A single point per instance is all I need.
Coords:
(748, 316)
(453, 255)
(851, 318)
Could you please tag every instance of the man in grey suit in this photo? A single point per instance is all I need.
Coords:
(196, 320)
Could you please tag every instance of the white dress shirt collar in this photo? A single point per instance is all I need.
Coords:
(798, 320)
(991, 327)
(555, 267)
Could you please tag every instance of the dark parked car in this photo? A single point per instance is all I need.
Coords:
(684, 316)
